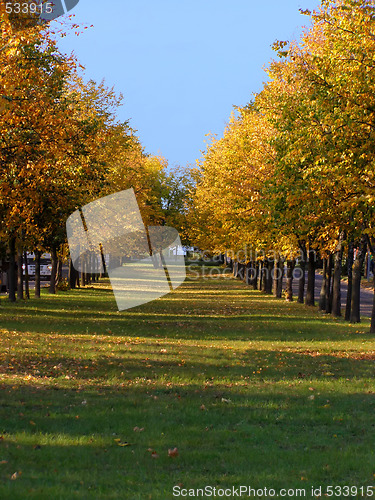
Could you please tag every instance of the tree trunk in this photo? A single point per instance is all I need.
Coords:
(256, 275)
(27, 288)
(372, 329)
(241, 271)
(72, 275)
(329, 285)
(355, 314)
(323, 290)
(280, 283)
(89, 268)
(278, 278)
(302, 280)
(19, 274)
(289, 280)
(83, 274)
(52, 285)
(310, 291)
(264, 275)
(59, 272)
(349, 263)
(248, 276)
(37, 274)
(371, 247)
(336, 294)
(269, 276)
(12, 270)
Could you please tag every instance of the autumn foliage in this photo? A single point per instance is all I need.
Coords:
(61, 146)
(294, 172)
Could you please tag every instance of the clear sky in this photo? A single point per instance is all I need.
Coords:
(182, 65)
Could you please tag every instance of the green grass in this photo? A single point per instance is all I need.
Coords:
(251, 390)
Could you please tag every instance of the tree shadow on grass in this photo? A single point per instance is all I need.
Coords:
(67, 443)
(142, 323)
(221, 311)
(211, 365)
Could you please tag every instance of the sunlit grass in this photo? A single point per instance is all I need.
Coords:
(251, 389)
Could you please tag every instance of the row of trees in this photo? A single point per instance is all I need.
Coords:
(61, 146)
(294, 174)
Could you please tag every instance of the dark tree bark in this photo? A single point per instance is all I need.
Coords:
(289, 280)
(336, 292)
(52, 285)
(229, 264)
(12, 270)
(349, 263)
(37, 274)
(323, 290)
(248, 276)
(278, 278)
(19, 274)
(254, 283)
(275, 276)
(269, 276)
(329, 285)
(83, 271)
(371, 245)
(59, 272)
(302, 280)
(372, 328)
(310, 291)
(27, 287)
(260, 275)
(355, 314)
(264, 275)
(241, 271)
(72, 275)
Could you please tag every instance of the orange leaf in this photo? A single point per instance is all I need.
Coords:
(173, 452)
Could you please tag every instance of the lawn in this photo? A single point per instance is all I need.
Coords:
(251, 390)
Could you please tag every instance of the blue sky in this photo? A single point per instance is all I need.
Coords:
(182, 65)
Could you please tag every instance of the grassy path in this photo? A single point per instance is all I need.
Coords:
(251, 390)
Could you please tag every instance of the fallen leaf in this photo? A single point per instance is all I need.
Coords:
(154, 455)
(203, 407)
(173, 452)
(138, 429)
(3, 462)
(121, 443)
(14, 476)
